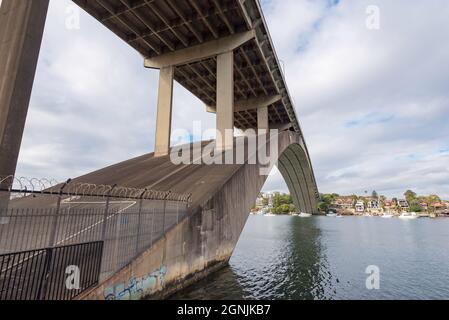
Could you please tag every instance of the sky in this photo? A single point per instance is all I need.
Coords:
(369, 79)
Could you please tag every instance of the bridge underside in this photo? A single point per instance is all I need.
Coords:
(222, 197)
(160, 29)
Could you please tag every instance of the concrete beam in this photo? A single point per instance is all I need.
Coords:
(21, 29)
(225, 100)
(164, 112)
(200, 52)
(262, 119)
(282, 127)
(250, 104)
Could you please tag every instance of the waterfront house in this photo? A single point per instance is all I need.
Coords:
(359, 206)
(259, 202)
(373, 205)
(403, 204)
(344, 203)
(438, 206)
(423, 205)
(389, 205)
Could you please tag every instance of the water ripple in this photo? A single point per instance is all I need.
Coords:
(323, 258)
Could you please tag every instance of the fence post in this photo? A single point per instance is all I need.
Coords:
(163, 218)
(42, 290)
(139, 221)
(152, 227)
(118, 224)
(165, 212)
(105, 216)
(52, 239)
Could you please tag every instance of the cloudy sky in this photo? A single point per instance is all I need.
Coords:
(373, 102)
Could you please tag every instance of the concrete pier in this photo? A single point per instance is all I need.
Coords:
(164, 111)
(21, 29)
(225, 99)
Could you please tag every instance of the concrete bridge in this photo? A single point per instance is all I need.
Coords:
(222, 52)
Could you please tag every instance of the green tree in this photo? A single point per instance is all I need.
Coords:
(282, 204)
(323, 206)
(415, 206)
(409, 195)
(374, 194)
(265, 201)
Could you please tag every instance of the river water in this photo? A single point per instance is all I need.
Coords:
(327, 258)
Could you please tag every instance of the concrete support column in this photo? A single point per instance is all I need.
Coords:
(164, 112)
(21, 28)
(262, 118)
(225, 99)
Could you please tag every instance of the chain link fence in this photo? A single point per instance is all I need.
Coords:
(127, 220)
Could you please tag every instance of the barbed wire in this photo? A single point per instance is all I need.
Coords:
(26, 186)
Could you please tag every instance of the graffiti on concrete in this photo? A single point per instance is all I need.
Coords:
(136, 288)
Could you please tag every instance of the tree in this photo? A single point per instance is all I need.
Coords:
(415, 206)
(323, 206)
(434, 198)
(265, 201)
(409, 195)
(282, 204)
(374, 194)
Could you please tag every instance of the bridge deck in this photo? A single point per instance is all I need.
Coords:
(158, 27)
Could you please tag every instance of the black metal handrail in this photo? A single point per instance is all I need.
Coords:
(53, 273)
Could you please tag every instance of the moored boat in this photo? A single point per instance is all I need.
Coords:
(409, 215)
(387, 215)
(304, 215)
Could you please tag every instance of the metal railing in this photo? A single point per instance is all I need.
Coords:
(126, 220)
(42, 274)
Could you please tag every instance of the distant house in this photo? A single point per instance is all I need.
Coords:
(446, 210)
(438, 206)
(344, 203)
(423, 205)
(374, 204)
(359, 206)
(403, 204)
(259, 202)
(389, 205)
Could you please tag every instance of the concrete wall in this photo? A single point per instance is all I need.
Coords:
(203, 242)
(199, 245)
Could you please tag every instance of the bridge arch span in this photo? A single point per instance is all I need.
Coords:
(298, 175)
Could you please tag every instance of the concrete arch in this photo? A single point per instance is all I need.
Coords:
(295, 168)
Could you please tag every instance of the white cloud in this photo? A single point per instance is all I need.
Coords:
(372, 104)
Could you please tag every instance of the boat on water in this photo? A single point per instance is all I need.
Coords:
(339, 216)
(387, 215)
(304, 215)
(409, 215)
(269, 215)
(333, 215)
